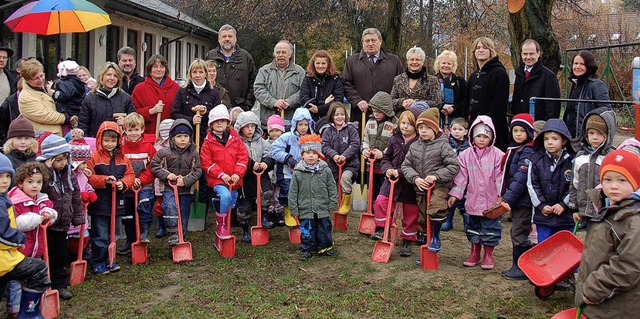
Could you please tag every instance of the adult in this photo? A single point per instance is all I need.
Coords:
(488, 89)
(9, 111)
(533, 79)
(322, 84)
(453, 87)
(585, 86)
(277, 85)
(35, 102)
(368, 72)
(8, 80)
(236, 67)
(197, 93)
(155, 95)
(106, 102)
(212, 76)
(415, 84)
(85, 76)
(127, 63)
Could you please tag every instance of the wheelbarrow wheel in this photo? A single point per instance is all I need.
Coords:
(544, 292)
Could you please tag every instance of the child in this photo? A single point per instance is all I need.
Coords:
(312, 196)
(403, 137)
(14, 266)
(107, 165)
(64, 192)
(437, 168)
(233, 114)
(378, 131)
(248, 126)
(163, 142)
(275, 128)
(514, 189)
(138, 148)
(549, 176)
(68, 92)
(21, 145)
(480, 175)
(286, 151)
(610, 265)
(459, 141)
(178, 163)
(596, 141)
(537, 127)
(341, 143)
(224, 159)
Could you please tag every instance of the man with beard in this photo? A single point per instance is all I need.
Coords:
(127, 63)
(236, 68)
(277, 85)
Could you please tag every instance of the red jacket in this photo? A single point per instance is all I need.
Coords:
(218, 159)
(140, 154)
(146, 95)
(23, 204)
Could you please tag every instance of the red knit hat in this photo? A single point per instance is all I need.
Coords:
(312, 142)
(623, 162)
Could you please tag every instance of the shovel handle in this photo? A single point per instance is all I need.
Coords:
(82, 228)
(259, 196)
(580, 309)
(176, 196)
(340, 166)
(575, 227)
(158, 120)
(387, 222)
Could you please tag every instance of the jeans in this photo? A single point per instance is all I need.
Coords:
(315, 234)
(14, 293)
(99, 234)
(545, 231)
(227, 200)
(170, 210)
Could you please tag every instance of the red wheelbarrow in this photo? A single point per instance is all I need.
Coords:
(552, 261)
(573, 313)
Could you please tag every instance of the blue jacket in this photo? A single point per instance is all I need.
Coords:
(548, 179)
(457, 146)
(286, 150)
(514, 169)
(68, 92)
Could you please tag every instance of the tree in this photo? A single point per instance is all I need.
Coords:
(394, 25)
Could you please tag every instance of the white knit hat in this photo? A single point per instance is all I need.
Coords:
(218, 113)
(68, 67)
(165, 127)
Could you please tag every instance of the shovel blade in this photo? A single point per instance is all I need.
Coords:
(112, 253)
(428, 259)
(182, 252)
(259, 236)
(382, 251)
(50, 304)
(139, 253)
(77, 272)
(228, 247)
(395, 233)
(340, 221)
(367, 224)
(294, 235)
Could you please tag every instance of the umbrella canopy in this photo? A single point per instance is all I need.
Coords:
(48, 17)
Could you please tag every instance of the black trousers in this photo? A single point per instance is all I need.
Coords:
(58, 248)
(31, 271)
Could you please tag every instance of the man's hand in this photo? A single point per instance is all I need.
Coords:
(363, 106)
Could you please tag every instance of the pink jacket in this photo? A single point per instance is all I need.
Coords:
(480, 176)
(83, 183)
(28, 217)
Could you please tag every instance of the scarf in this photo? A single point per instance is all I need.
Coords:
(417, 75)
(199, 88)
(109, 93)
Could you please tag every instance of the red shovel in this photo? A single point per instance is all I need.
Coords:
(182, 251)
(367, 221)
(428, 259)
(340, 221)
(259, 234)
(112, 244)
(294, 233)
(138, 249)
(384, 248)
(227, 247)
(50, 306)
(79, 267)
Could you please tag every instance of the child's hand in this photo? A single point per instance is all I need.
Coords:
(452, 200)
(392, 173)
(234, 179)
(197, 119)
(430, 180)
(87, 172)
(119, 185)
(171, 177)
(48, 162)
(45, 217)
(576, 217)
(377, 154)
(546, 210)
(422, 184)
(557, 209)
(226, 179)
(137, 183)
(180, 181)
(498, 202)
(111, 179)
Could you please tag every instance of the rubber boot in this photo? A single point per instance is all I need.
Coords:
(515, 273)
(221, 229)
(266, 219)
(487, 261)
(474, 257)
(30, 305)
(288, 219)
(345, 208)
(144, 233)
(435, 244)
(172, 232)
(448, 224)
(162, 231)
(246, 234)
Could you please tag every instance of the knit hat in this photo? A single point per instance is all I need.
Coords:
(21, 127)
(53, 145)
(165, 127)
(431, 118)
(418, 107)
(382, 101)
(596, 122)
(6, 166)
(68, 67)
(218, 113)
(623, 162)
(312, 142)
(524, 120)
(482, 128)
(275, 122)
(181, 128)
(80, 149)
(538, 125)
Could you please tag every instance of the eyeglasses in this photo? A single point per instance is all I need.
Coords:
(4, 58)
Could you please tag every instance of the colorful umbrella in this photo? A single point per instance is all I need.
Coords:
(57, 16)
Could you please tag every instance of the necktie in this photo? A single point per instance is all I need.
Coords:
(526, 74)
(372, 59)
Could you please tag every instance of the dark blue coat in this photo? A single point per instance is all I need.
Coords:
(319, 88)
(393, 157)
(514, 180)
(457, 146)
(68, 92)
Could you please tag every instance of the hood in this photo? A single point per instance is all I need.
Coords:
(554, 125)
(609, 117)
(245, 118)
(302, 114)
(383, 102)
(482, 119)
(494, 63)
(174, 125)
(17, 196)
(107, 126)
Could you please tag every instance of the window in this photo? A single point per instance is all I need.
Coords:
(178, 60)
(188, 58)
(164, 48)
(113, 43)
(48, 48)
(80, 48)
(195, 51)
(148, 39)
(132, 40)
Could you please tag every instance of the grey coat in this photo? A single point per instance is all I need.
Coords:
(433, 157)
(312, 192)
(269, 87)
(426, 89)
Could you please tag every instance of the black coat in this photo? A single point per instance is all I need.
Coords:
(97, 108)
(393, 157)
(236, 75)
(187, 97)
(488, 94)
(542, 82)
(319, 88)
(68, 92)
(8, 112)
(586, 89)
(129, 85)
(458, 86)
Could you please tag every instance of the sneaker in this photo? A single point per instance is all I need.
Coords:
(330, 252)
(405, 250)
(100, 270)
(64, 294)
(114, 267)
(305, 255)
(378, 233)
(173, 239)
(124, 250)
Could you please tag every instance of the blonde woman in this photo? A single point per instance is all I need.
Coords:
(452, 86)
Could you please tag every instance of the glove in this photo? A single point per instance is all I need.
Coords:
(89, 197)
(291, 161)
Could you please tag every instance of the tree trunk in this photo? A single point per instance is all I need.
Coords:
(533, 22)
(394, 26)
(428, 48)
